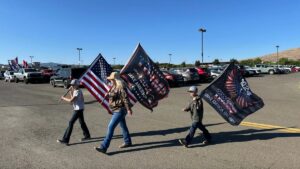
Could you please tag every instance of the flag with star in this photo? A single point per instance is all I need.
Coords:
(95, 80)
(144, 79)
(231, 96)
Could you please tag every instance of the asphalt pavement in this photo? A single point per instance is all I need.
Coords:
(32, 118)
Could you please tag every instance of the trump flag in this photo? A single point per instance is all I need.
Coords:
(144, 79)
(231, 96)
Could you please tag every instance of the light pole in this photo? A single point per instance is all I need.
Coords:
(79, 49)
(114, 61)
(277, 56)
(170, 55)
(202, 30)
(31, 59)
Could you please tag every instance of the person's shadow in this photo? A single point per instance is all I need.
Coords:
(147, 133)
(217, 138)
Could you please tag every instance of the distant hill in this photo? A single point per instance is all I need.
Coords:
(293, 54)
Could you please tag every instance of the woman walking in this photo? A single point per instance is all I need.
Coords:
(120, 105)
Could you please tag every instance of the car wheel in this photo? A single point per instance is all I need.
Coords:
(26, 81)
(271, 72)
(52, 82)
(66, 84)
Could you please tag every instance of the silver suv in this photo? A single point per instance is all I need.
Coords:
(266, 69)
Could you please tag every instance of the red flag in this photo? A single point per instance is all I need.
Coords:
(25, 64)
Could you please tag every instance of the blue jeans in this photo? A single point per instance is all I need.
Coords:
(192, 131)
(117, 117)
(77, 114)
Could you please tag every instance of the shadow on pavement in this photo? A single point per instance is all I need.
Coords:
(147, 133)
(247, 135)
(218, 138)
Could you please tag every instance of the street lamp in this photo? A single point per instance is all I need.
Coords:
(79, 49)
(202, 30)
(31, 59)
(277, 56)
(114, 60)
(170, 55)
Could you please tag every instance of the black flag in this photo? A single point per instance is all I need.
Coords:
(144, 79)
(231, 97)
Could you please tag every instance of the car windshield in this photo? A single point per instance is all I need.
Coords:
(11, 73)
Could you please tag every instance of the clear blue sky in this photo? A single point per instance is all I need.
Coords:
(51, 30)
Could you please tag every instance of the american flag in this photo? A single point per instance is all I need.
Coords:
(95, 80)
(14, 64)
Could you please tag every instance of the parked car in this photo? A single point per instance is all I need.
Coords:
(28, 75)
(189, 74)
(173, 79)
(267, 69)
(255, 71)
(294, 68)
(2, 74)
(279, 70)
(64, 76)
(215, 71)
(47, 73)
(9, 76)
(203, 74)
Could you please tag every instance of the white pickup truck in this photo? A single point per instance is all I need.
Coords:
(28, 75)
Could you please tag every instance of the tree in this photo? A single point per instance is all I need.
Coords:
(216, 62)
(257, 61)
(197, 63)
(183, 64)
(234, 61)
(248, 62)
(283, 61)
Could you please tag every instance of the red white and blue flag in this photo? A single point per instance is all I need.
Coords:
(231, 96)
(14, 64)
(95, 80)
(144, 79)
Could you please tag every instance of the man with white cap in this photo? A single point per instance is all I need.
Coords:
(195, 107)
(78, 106)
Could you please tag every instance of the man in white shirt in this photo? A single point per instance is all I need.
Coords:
(78, 105)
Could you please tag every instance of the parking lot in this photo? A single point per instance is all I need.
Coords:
(32, 118)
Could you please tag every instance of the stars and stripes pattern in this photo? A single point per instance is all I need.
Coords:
(14, 64)
(95, 81)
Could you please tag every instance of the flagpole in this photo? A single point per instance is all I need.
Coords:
(82, 74)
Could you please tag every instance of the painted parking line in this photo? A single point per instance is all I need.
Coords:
(268, 126)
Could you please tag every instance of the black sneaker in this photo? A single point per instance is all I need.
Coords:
(62, 142)
(101, 150)
(183, 142)
(85, 139)
(124, 145)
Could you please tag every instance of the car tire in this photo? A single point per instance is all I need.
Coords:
(66, 84)
(26, 81)
(52, 82)
(271, 72)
